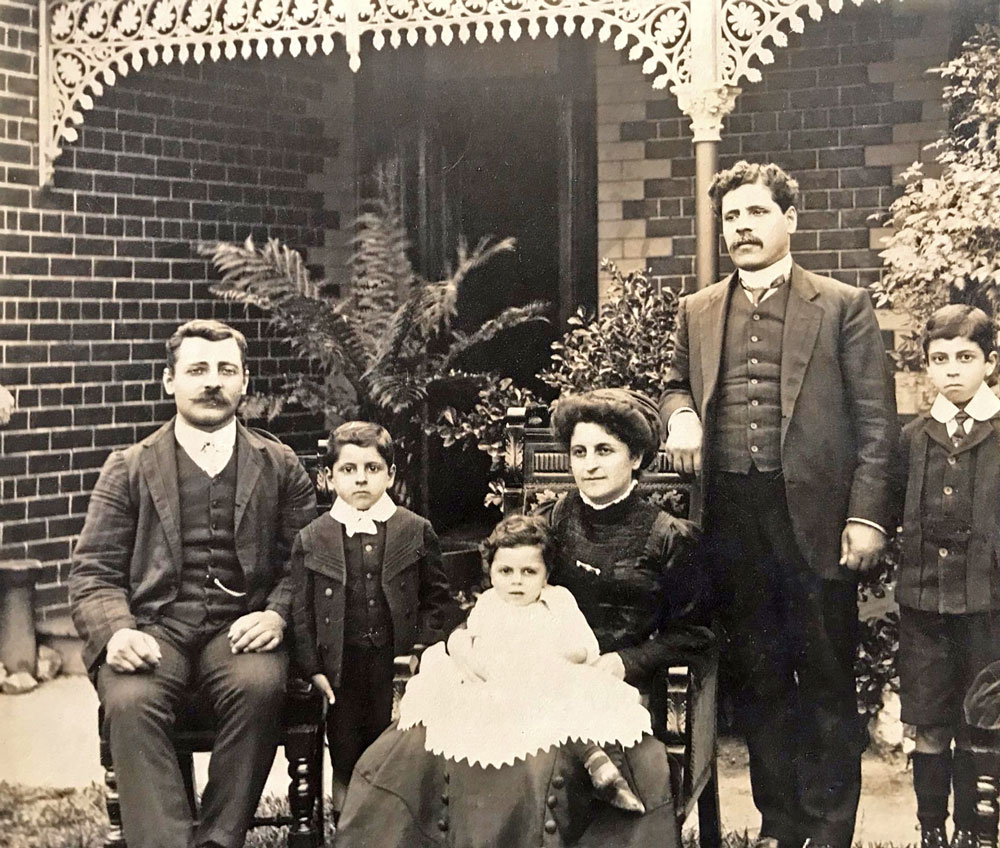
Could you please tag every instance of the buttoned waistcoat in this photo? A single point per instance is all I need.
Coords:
(838, 417)
(127, 562)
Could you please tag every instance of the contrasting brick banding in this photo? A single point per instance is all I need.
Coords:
(98, 269)
(845, 107)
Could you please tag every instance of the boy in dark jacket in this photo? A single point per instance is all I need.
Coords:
(949, 586)
(367, 585)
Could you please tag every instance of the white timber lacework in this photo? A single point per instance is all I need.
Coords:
(701, 49)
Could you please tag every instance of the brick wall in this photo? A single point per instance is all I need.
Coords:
(845, 107)
(99, 269)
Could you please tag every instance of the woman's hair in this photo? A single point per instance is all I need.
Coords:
(364, 434)
(959, 320)
(516, 531)
(627, 415)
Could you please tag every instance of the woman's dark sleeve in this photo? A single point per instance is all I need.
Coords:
(682, 607)
(303, 615)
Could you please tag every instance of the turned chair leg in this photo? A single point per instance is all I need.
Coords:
(305, 789)
(987, 811)
(114, 838)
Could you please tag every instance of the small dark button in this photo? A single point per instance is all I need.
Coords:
(552, 801)
(550, 826)
(444, 798)
(215, 503)
(558, 781)
(328, 591)
(447, 777)
(443, 825)
(215, 526)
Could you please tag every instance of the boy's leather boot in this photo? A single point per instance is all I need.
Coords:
(932, 785)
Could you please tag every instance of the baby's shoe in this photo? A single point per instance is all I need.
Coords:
(625, 799)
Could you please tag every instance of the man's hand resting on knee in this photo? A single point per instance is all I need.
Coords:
(257, 631)
(130, 651)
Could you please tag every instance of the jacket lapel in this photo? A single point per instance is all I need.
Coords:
(158, 465)
(981, 430)
(248, 466)
(325, 544)
(399, 547)
(802, 323)
(710, 331)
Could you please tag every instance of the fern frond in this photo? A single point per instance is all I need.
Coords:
(514, 316)
(439, 300)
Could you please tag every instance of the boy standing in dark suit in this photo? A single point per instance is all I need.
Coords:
(948, 585)
(367, 585)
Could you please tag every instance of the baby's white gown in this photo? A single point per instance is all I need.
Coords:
(533, 698)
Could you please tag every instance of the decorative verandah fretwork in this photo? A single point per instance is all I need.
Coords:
(700, 49)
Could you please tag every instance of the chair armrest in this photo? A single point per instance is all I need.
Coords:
(682, 701)
(404, 667)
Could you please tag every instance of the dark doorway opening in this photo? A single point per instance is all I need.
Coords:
(497, 141)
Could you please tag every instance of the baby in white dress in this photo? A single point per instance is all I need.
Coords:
(520, 677)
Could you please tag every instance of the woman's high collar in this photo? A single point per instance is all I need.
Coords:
(613, 513)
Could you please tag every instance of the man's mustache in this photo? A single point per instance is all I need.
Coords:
(745, 241)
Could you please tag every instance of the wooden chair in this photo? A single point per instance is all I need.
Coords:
(683, 696)
(302, 733)
(982, 714)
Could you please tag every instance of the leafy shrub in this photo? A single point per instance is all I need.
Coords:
(629, 342)
(946, 244)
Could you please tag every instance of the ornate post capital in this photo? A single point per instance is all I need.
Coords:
(706, 106)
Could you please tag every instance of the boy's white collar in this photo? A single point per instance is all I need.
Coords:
(982, 406)
(363, 520)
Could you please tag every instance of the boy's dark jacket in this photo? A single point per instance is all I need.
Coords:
(413, 580)
(982, 571)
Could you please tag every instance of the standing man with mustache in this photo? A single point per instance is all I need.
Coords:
(779, 398)
(180, 584)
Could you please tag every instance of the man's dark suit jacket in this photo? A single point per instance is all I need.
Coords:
(838, 411)
(127, 561)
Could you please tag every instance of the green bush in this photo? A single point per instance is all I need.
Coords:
(946, 241)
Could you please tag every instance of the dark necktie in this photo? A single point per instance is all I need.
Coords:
(959, 435)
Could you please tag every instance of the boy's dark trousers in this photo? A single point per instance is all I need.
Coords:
(363, 706)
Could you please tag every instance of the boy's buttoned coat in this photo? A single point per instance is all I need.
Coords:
(413, 581)
(981, 572)
(127, 562)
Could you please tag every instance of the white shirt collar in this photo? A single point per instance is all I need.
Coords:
(982, 406)
(763, 277)
(362, 520)
(619, 499)
(210, 451)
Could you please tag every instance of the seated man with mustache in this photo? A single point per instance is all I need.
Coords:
(180, 584)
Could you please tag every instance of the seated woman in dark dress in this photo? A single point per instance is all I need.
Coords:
(627, 563)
